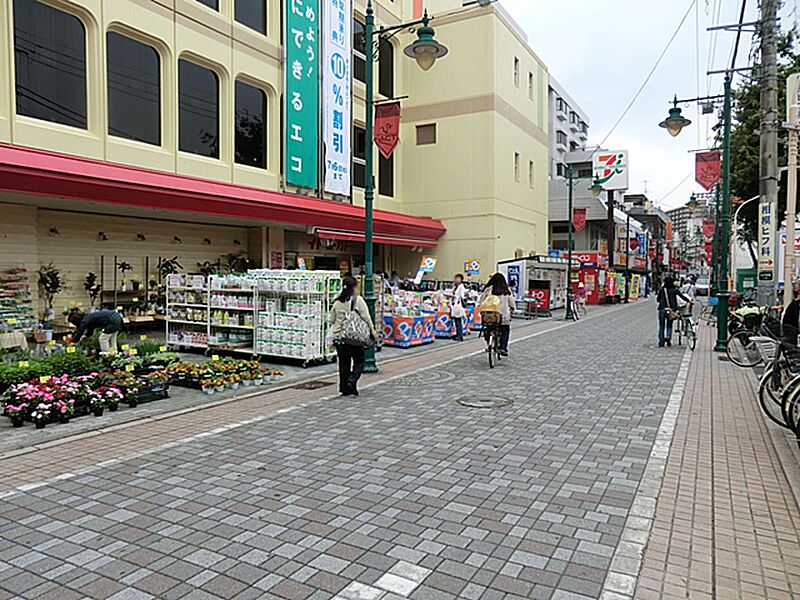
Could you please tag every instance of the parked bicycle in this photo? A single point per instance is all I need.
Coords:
(686, 329)
(742, 349)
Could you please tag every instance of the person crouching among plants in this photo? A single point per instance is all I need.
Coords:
(109, 322)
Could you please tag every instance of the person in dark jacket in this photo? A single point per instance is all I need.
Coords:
(668, 300)
(790, 320)
(108, 321)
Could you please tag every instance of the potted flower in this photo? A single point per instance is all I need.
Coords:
(64, 409)
(233, 380)
(96, 403)
(276, 374)
(258, 376)
(208, 385)
(124, 266)
(111, 396)
(17, 412)
(219, 383)
(40, 415)
(51, 283)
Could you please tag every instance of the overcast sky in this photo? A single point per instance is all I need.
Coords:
(601, 53)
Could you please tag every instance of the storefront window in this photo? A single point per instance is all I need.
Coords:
(50, 60)
(198, 106)
(210, 3)
(359, 52)
(252, 14)
(359, 156)
(134, 90)
(251, 138)
(385, 176)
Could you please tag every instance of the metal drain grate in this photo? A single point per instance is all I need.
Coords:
(423, 378)
(312, 385)
(485, 403)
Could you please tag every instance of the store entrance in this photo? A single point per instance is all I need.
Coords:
(326, 263)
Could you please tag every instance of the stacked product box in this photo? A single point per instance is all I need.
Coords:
(16, 310)
(188, 338)
(288, 334)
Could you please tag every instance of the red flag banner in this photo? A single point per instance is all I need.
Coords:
(579, 218)
(634, 243)
(387, 128)
(707, 168)
(708, 228)
(709, 249)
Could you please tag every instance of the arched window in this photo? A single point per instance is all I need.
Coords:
(134, 89)
(251, 126)
(198, 109)
(50, 61)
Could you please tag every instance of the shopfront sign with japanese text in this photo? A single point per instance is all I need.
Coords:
(766, 242)
(301, 95)
(337, 40)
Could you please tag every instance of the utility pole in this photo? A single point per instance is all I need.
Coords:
(611, 233)
(768, 171)
(792, 88)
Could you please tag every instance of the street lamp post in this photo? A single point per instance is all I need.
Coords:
(425, 50)
(595, 189)
(674, 123)
(628, 259)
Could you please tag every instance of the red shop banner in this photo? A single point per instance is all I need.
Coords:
(387, 128)
(579, 218)
(708, 228)
(707, 169)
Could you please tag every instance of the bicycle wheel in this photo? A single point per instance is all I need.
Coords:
(490, 341)
(789, 402)
(497, 355)
(769, 397)
(692, 337)
(742, 350)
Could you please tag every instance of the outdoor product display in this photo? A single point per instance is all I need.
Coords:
(263, 312)
(16, 309)
(539, 282)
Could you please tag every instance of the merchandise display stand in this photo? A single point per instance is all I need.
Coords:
(16, 308)
(232, 307)
(187, 311)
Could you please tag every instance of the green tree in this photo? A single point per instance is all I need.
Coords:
(745, 148)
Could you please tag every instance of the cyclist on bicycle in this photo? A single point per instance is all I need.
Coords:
(497, 286)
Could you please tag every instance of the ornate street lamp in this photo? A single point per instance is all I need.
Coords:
(675, 122)
(596, 188)
(692, 204)
(425, 49)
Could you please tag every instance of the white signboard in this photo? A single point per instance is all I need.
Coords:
(611, 169)
(766, 242)
(337, 48)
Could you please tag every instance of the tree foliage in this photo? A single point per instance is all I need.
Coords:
(745, 143)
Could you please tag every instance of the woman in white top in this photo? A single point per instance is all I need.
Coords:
(351, 358)
(457, 312)
(498, 286)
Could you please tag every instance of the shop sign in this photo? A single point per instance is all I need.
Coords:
(427, 264)
(611, 169)
(634, 243)
(539, 299)
(554, 253)
(766, 242)
(642, 237)
(276, 259)
(514, 276)
(337, 96)
(472, 267)
(301, 95)
(579, 218)
(301, 263)
(708, 228)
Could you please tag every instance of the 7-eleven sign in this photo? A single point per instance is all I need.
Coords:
(611, 169)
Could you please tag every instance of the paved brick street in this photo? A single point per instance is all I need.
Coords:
(401, 493)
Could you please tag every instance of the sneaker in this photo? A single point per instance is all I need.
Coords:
(503, 352)
(669, 343)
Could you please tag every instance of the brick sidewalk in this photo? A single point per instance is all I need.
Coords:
(67, 456)
(726, 523)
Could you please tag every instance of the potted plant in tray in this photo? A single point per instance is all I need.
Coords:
(51, 283)
(96, 403)
(17, 412)
(208, 385)
(93, 289)
(40, 415)
(124, 266)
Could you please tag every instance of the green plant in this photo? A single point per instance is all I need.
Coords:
(168, 266)
(51, 283)
(208, 268)
(124, 266)
(92, 287)
(75, 363)
(235, 262)
(162, 358)
(148, 348)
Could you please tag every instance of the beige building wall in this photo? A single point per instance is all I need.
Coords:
(486, 175)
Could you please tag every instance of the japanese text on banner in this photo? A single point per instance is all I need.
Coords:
(302, 92)
(337, 110)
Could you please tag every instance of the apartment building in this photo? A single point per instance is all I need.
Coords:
(568, 126)
(144, 129)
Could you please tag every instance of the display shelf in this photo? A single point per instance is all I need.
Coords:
(250, 327)
(181, 322)
(237, 308)
(16, 306)
(183, 288)
(203, 306)
(232, 291)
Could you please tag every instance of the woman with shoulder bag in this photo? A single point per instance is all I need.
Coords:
(352, 331)
(668, 310)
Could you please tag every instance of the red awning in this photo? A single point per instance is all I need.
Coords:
(354, 236)
(41, 173)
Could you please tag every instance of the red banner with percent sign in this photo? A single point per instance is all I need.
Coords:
(707, 168)
(387, 128)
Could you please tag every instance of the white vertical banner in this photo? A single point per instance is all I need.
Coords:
(337, 53)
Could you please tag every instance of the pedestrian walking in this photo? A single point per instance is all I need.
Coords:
(498, 286)
(668, 310)
(457, 311)
(108, 321)
(352, 331)
(582, 299)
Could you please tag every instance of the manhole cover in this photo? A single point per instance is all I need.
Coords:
(312, 385)
(425, 378)
(485, 403)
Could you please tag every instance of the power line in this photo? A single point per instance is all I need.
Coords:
(675, 189)
(652, 71)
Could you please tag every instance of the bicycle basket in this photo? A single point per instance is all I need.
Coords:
(767, 347)
(770, 327)
(753, 320)
(490, 317)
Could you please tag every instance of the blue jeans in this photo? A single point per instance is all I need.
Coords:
(664, 327)
(459, 323)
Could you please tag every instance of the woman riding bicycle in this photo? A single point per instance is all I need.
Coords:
(497, 286)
